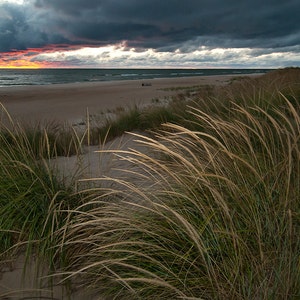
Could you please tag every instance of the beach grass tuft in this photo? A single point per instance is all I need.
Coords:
(33, 201)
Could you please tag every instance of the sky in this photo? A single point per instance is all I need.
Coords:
(149, 33)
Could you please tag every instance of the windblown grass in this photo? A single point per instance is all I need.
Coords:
(218, 215)
(214, 215)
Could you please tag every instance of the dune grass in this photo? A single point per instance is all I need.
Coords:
(217, 215)
(218, 220)
(33, 202)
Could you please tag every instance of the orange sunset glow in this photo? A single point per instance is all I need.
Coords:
(26, 59)
(19, 59)
(21, 64)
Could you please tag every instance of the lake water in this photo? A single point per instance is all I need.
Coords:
(23, 77)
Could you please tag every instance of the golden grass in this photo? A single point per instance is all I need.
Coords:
(216, 218)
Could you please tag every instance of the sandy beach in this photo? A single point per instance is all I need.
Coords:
(69, 102)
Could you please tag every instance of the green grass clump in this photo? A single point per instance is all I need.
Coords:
(48, 140)
(136, 119)
(33, 202)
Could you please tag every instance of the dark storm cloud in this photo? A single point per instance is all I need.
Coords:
(12, 26)
(21, 27)
(176, 20)
(162, 25)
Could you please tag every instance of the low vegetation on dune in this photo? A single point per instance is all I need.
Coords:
(217, 215)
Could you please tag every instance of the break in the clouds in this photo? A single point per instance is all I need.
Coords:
(151, 33)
